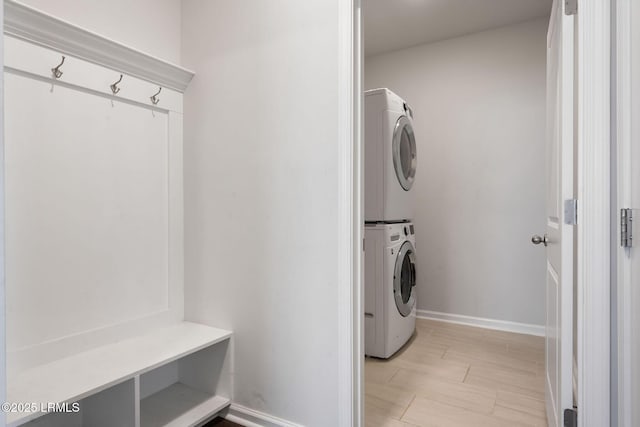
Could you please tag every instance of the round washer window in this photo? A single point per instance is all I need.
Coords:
(404, 279)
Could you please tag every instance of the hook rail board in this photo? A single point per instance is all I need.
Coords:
(41, 63)
(37, 27)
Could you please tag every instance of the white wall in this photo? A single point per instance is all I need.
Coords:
(261, 196)
(152, 26)
(479, 104)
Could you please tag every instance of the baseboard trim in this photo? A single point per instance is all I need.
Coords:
(251, 418)
(499, 325)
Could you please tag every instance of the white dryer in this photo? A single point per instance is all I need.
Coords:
(390, 157)
(389, 281)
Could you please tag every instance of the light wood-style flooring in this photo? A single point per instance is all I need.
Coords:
(453, 375)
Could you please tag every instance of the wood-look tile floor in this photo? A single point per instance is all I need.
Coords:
(452, 375)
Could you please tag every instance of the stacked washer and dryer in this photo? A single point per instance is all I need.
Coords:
(390, 263)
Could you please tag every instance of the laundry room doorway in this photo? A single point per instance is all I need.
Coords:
(499, 293)
(473, 90)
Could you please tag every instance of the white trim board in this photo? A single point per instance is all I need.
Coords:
(481, 322)
(351, 219)
(622, 409)
(251, 418)
(39, 28)
(3, 323)
(594, 226)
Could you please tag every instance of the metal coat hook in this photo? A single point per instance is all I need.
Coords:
(56, 71)
(154, 98)
(114, 87)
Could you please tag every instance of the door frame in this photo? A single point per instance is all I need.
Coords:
(621, 404)
(3, 329)
(593, 101)
(350, 217)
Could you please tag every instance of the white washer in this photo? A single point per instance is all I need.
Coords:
(390, 157)
(389, 280)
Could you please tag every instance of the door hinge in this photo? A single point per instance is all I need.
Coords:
(570, 7)
(626, 228)
(571, 212)
(571, 417)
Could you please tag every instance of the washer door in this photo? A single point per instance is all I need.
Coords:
(404, 152)
(404, 279)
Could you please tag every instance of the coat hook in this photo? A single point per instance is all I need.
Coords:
(56, 71)
(154, 98)
(114, 87)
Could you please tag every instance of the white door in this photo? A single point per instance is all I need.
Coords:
(558, 238)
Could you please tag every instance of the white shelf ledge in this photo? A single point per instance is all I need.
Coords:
(179, 406)
(40, 28)
(76, 377)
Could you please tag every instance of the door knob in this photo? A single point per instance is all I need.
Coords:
(536, 240)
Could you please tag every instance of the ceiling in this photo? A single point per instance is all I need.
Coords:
(397, 24)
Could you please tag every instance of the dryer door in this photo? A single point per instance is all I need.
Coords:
(404, 279)
(404, 152)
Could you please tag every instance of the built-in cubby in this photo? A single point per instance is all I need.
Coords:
(174, 376)
(187, 391)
